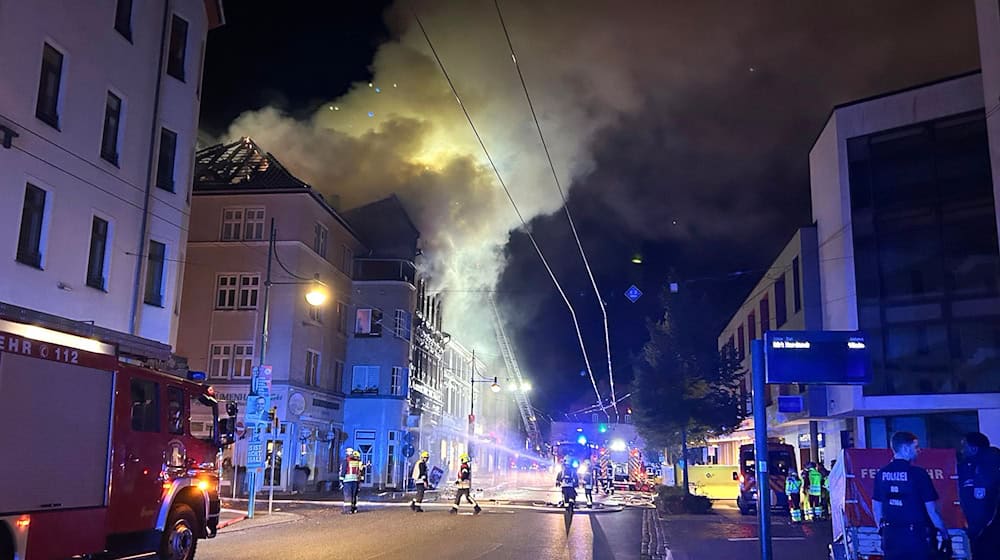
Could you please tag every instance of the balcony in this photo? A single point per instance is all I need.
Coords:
(384, 270)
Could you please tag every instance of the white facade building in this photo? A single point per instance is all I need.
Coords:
(99, 107)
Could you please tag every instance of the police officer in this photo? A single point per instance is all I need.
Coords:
(979, 492)
(420, 481)
(464, 482)
(905, 504)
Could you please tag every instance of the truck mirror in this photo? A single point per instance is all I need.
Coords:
(232, 408)
(227, 432)
(735, 476)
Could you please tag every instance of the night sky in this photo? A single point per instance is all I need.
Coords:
(681, 129)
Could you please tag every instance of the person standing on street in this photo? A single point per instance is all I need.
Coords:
(420, 481)
(352, 472)
(815, 491)
(567, 480)
(588, 483)
(464, 482)
(905, 505)
(793, 489)
(979, 493)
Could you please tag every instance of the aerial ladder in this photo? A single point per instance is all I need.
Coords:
(520, 396)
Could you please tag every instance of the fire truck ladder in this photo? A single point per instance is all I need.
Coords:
(523, 404)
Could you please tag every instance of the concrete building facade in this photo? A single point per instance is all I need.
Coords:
(98, 118)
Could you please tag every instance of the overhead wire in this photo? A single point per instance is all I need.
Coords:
(510, 197)
(565, 202)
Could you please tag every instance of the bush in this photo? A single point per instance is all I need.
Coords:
(671, 500)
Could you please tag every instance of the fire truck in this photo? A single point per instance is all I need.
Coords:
(101, 456)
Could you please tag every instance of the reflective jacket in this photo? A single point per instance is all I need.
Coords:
(815, 482)
(793, 486)
(353, 470)
(420, 472)
(568, 477)
(465, 475)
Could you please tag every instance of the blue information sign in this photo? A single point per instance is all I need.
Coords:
(817, 357)
(633, 294)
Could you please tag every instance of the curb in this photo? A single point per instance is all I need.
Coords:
(285, 517)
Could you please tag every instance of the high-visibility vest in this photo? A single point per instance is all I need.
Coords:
(353, 470)
(465, 475)
(815, 482)
(793, 486)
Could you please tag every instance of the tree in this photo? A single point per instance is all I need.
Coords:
(684, 388)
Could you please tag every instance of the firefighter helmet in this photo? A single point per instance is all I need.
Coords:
(425, 455)
(349, 452)
(464, 457)
(357, 454)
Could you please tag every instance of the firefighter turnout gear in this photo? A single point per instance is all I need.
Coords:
(352, 473)
(420, 481)
(464, 482)
(568, 480)
(588, 483)
(793, 489)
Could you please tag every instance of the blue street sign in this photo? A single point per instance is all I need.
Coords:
(408, 451)
(633, 294)
(817, 357)
(791, 404)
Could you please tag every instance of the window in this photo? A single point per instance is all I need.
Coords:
(312, 368)
(402, 325)
(341, 317)
(249, 288)
(200, 424)
(178, 48)
(365, 379)
(225, 289)
(741, 342)
(47, 109)
(29, 243)
(752, 325)
(242, 223)
(396, 387)
(230, 360)
(347, 264)
(253, 226)
(165, 164)
(338, 376)
(145, 406)
(320, 235)
(98, 253)
(155, 273)
(368, 322)
(796, 285)
(316, 313)
(112, 120)
(780, 302)
(765, 315)
(175, 410)
(123, 18)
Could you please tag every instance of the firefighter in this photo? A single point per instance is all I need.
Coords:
(979, 492)
(793, 489)
(420, 481)
(588, 483)
(568, 480)
(352, 472)
(464, 482)
(815, 491)
(905, 505)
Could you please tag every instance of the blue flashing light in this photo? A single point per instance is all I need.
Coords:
(197, 376)
(576, 464)
(579, 429)
(582, 440)
(602, 428)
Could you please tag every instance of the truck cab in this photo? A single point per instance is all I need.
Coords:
(108, 459)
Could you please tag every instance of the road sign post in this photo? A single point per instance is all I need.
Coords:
(760, 448)
(258, 403)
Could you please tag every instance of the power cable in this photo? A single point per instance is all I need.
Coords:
(517, 211)
(562, 195)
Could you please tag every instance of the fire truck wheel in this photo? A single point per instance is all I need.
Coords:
(179, 536)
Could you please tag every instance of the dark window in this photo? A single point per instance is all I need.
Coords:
(175, 410)
(796, 285)
(112, 119)
(154, 274)
(178, 48)
(145, 406)
(47, 109)
(165, 165)
(765, 316)
(741, 341)
(29, 244)
(752, 325)
(123, 18)
(780, 302)
(98, 250)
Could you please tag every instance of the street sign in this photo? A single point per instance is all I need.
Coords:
(790, 404)
(407, 437)
(633, 294)
(408, 451)
(817, 357)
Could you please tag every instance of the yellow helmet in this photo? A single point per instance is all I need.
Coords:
(463, 457)
(357, 454)
(425, 455)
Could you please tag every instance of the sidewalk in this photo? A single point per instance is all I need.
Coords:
(232, 520)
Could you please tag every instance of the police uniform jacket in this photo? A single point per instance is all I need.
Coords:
(979, 488)
(904, 490)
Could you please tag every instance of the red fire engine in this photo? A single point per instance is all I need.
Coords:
(102, 457)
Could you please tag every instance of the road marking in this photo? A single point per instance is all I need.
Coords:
(742, 539)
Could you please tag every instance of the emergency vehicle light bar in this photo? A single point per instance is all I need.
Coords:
(42, 334)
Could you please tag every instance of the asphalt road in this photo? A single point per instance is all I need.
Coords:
(397, 533)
